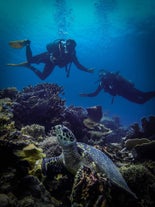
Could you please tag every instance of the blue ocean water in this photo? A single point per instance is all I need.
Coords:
(116, 35)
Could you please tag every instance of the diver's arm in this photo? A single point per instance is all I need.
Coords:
(81, 67)
(95, 93)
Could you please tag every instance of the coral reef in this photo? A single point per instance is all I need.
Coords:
(7, 124)
(139, 139)
(18, 187)
(95, 113)
(132, 143)
(84, 127)
(148, 127)
(9, 93)
(96, 131)
(111, 122)
(33, 155)
(145, 130)
(89, 189)
(144, 180)
(74, 117)
(26, 118)
(59, 184)
(34, 131)
(50, 146)
(145, 151)
(118, 132)
(40, 104)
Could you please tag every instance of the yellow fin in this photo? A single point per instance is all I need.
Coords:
(18, 43)
(23, 64)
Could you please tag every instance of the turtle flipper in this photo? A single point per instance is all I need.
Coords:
(19, 43)
(23, 64)
(54, 163)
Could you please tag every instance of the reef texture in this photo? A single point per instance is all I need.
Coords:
(26, 137)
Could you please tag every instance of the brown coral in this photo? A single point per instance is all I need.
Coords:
(131, 143)
(96, 131)
(145, 151)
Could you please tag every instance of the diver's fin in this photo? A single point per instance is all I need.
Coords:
(23, 64)
(19, 43)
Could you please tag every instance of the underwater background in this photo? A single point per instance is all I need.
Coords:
(115, 35)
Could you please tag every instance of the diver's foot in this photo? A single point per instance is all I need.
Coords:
(25, 42)
(23, 64)
(19, 43)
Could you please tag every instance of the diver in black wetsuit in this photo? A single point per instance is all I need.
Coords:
(59, 53)
(115, 84)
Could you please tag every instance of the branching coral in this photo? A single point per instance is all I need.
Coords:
(40, 104)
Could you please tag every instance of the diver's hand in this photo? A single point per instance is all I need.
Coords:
(90, 70)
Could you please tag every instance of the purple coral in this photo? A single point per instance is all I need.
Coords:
(40, 104)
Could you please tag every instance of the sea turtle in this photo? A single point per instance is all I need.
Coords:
(76, 154)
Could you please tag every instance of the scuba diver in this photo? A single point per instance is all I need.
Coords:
(60, 53)
(115, 84)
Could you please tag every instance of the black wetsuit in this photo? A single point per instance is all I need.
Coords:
(115, 84)
(51, 61)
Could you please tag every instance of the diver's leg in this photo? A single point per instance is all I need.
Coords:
(28, 53)
(140, 97)
(34, 59)
(48, 69)
(148, 95)
(41, 58)
(46, 72)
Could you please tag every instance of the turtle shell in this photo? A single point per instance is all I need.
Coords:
(95, 158)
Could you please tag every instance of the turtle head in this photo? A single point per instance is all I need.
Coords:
(64, 135)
